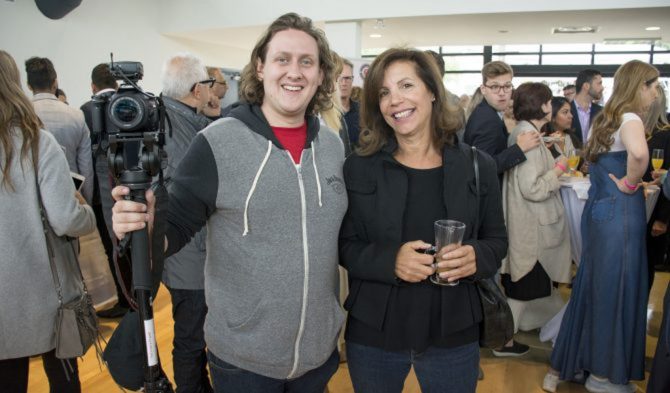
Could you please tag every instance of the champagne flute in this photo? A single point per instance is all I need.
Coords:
(657, 159)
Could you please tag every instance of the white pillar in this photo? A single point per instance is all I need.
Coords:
(345, 38)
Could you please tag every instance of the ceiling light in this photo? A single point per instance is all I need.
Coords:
(653, 28)
(574, 29)
(375, 36)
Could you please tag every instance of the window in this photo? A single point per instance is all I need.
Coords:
(464, 63)
(518, 59)
(622, 47)
(548, 48)
(620, 58)
(515, 48)
(566, 59)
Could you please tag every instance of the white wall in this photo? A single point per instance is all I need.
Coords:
(86, 36)
(221, 14)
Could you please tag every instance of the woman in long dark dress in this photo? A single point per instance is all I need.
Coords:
(603, 332)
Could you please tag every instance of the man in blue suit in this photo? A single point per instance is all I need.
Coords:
(584, 110)
(485, 128)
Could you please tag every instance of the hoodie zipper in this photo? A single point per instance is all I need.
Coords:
(305, 285)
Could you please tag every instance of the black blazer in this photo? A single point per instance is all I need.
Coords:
(371, 232)
(486, 131)
(576, 125)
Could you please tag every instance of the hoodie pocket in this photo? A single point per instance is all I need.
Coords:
(246, 320)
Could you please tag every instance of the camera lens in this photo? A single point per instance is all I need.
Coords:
(126, 112)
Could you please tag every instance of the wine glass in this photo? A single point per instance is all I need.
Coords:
(657, 159)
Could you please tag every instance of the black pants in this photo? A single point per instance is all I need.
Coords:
(63, 375)
(189, 358)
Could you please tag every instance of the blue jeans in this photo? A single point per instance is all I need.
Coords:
(230, 379)
(440, 370)
(189, 358)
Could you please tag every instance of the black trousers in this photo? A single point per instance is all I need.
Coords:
(63, 375)
(189, 358)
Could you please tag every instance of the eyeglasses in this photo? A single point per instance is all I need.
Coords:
(209, 82)
(222, 83)
(348, 79)
(496, 88)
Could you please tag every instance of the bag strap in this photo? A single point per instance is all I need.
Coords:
(475, 164)
(46, 228)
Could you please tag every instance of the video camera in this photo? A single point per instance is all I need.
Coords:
(130, 115)
(126, 123)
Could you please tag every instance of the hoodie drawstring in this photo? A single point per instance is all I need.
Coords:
(253, 188)
(316, 173)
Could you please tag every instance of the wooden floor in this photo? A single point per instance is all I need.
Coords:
(517, 375)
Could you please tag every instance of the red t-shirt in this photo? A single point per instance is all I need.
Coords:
(293, 139)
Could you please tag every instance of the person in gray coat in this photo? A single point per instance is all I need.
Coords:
(29, 301)
(65, 123)
(186, 92)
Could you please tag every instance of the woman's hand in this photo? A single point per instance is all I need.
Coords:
(80, 198)
(658, 228)
(658, 176)
(411, 264)
(460, 261)
(622, 186)
(128, 216)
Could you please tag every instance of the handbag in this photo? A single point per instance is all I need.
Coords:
(76, 323)
(497, 326)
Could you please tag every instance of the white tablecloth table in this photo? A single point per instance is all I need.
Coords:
(574, 193)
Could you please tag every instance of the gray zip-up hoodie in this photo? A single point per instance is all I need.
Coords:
(271, 280)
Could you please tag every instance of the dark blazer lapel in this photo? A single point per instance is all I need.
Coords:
(457, 176)
(392, 198)
(576, 125)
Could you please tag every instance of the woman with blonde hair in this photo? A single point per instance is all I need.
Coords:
(333, 117)
(602, 335)
(30, 301)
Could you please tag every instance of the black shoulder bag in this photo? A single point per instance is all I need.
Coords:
(497, 327)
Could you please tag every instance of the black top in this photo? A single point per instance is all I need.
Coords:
(486, 131)
(660, 139)
(380, 191)
(413, 317)
(353, 118)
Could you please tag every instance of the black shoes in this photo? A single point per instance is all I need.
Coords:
(517, 349)
(111, 313)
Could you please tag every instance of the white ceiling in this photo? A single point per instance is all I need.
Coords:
(478, 29)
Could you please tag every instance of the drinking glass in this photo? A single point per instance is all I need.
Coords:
(446, 232)
(657, 159)
(573, 160)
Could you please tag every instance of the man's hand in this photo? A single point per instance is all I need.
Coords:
(528, 140)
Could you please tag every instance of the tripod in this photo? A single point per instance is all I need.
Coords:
(138, 180)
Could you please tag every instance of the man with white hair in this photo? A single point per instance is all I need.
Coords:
(186, 90)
